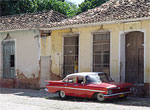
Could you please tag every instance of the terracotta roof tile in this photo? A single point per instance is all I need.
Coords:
(112, 10)
(30, 20)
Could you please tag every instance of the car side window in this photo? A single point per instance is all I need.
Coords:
(80, 80)
(88, 79)
(72, 79)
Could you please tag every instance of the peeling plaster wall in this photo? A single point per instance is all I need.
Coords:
(45, 45)
(56, 53)
(86, 47)
(45, 59)
(27, 54)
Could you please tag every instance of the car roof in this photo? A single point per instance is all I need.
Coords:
(84, 73)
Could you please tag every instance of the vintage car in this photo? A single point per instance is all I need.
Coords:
(89, 85)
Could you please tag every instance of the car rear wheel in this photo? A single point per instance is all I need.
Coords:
(62, 94)
(100, 97)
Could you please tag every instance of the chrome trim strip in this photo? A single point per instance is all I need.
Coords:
(117, 94)
(77, 88)
(55, 86)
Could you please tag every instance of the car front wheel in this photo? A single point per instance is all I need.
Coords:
(100, 97)
(62, 94)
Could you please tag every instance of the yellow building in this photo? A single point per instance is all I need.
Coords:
(114, 38)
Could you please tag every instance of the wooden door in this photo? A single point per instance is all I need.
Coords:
(135, 57)
(8, 59)
(70, 55)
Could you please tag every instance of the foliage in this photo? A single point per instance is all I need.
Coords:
(11, 7)
(73, 9)
(89, 4)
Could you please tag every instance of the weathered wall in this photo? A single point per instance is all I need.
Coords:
(45, 59)
(27, 56)
(86, 45)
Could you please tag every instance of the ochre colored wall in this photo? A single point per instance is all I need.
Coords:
(45, 45)
(86, 45)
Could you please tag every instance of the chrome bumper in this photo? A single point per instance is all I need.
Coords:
(117, 94)
(46, 89)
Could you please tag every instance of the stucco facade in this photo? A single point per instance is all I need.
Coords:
(117, 49)
(27, 59)
(21, 63)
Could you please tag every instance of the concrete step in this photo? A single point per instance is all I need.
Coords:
(139, 91)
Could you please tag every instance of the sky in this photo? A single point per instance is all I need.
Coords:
(76, 1)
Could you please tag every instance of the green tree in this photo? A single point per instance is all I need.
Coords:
(89, 4)
(73, 9)
(6, 6)
(61, 0)
(11, 7)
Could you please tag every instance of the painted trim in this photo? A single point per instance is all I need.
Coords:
(79, 55)
(92, 51)
(20, 29)
(110, 60)
(77, 89)
(70, 34)
(144, 31)
(1, 59)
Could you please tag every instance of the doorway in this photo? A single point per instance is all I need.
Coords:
(8, 59)
(70, 57)
(134, 57)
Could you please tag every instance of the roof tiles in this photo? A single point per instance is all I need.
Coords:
(29, 20)
(112, 10)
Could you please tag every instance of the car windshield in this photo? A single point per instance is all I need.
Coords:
(97, 78)
(94, 78)
(104, 78)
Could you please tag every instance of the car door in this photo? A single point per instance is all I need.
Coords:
(79, 87)
(69, 85)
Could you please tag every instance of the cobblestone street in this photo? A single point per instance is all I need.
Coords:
(23, 99)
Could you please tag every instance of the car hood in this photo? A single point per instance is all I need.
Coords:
(112, 85)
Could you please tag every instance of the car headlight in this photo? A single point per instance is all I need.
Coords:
(109, 92)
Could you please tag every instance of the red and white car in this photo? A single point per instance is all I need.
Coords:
(89, 85)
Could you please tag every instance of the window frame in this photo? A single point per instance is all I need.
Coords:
(107, 33)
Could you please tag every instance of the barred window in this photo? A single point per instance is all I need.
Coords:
(101, 52)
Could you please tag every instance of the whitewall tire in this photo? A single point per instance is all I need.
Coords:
(62, 94)
(100, 97)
